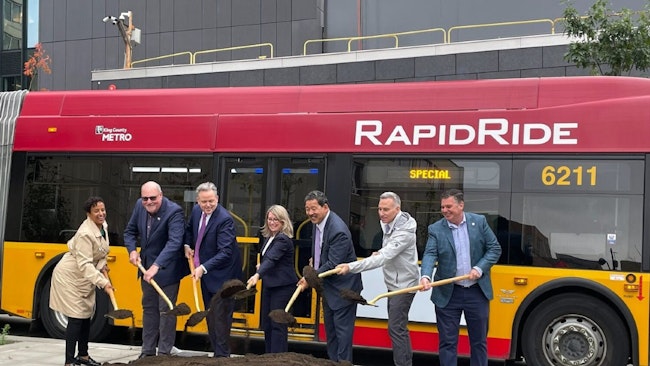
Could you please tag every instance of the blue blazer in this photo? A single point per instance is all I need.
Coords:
(219, 252)
(277, 263)
(484, 252)
(337, 248)
(164, 246)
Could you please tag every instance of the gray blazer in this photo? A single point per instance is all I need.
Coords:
(398, 255)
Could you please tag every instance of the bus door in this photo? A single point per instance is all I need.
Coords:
(296, 178)
(244, 180)
(253, 184)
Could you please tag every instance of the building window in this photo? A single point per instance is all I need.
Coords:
(11, 83)
(12, 32)
(32, 23)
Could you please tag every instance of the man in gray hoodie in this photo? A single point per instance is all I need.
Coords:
(399, 258)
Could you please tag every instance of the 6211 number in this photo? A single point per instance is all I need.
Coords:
(565, 176)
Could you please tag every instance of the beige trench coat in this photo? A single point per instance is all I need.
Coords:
(78, 272)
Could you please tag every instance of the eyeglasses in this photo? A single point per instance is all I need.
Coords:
(150, 198)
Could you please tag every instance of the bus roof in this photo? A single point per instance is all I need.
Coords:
(570, 114)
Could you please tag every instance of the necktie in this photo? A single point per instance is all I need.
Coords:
(199, 238)
(387, 228)
(317, 247)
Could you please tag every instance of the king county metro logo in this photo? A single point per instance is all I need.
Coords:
(113, 134)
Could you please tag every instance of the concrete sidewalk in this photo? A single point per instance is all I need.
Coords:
(29, 351)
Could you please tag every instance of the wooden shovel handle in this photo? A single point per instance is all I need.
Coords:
(110, 292)
(196, 292)
(446, 281)
(329, 273)
(158, 289)
(293, 298)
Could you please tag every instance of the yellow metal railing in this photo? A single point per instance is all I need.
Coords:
(270, 45)
(446, 33)
(501, 24)
(163, 57)
(446, 38)
(192, 56)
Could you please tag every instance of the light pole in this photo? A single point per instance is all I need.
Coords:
(130, 34)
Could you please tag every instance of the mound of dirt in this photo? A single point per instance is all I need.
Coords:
(268, 359)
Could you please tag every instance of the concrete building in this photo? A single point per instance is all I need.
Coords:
(434, 41)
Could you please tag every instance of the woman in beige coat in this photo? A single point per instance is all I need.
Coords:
(75, 278)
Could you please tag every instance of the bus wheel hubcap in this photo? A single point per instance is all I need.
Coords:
(574, 341)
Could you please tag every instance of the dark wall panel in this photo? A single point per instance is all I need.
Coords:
(213, 80)
(179, 81)
(477, 62)
(269, 11)
(187, 41)
(187, 14)
(77, 65)
(246, 12)
(166, 15)
(283, 39)
(152, 16)
(395, 69)
(224, 13)
(523, 58)
(318, 75)
(285, 76)
(355, 72)
(209, 14)
(246, 35)
(247, 78)
(435, 65)
(284, 10)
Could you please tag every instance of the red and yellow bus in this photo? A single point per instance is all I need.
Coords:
(560, 167)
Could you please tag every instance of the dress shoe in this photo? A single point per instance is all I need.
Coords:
(86, 361)
(142, 355)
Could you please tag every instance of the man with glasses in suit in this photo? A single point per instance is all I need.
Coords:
(157, 224)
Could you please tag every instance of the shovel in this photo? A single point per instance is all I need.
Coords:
(236, 289)
(314, 280)
(181, 309)
(117, 313)
(372, 302)
(195, 318)
(285, 317)
(248, 291)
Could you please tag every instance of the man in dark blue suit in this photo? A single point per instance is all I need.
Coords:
(331, 246)
(211, 242)
(461, 243)
(157, 224)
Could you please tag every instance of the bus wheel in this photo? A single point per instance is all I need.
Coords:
(55, 323)
(576, 330)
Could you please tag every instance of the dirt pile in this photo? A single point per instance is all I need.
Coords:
(269, 359)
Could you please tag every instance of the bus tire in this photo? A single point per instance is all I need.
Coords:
(55, 323)
(575, 330)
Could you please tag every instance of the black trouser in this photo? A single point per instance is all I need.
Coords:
(78, 331)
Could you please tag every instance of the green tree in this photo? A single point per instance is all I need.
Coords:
(608, 42)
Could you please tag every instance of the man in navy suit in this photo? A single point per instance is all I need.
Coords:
(331, 246)
(157, 224)
(211, 242)
(461, 243)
